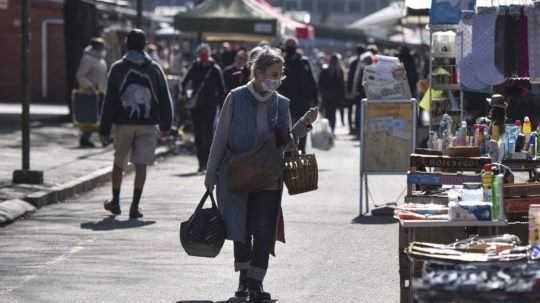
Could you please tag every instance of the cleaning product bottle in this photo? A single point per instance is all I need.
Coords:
(531, 145)
(481, 139)
(494, 198)
(537, 148)
(476, 135)
(520, 138)
(526, 128)
(487, 179)
(499, 188)
(461, 135)
(495, 132)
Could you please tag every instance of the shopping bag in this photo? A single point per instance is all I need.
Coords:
(321, 135)
(86, 107)
(204, 233)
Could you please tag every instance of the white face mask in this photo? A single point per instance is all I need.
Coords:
(271, 85)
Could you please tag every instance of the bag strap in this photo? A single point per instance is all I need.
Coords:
(203, 83)
(204, 198)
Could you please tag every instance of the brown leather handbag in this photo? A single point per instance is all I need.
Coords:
(255, 170)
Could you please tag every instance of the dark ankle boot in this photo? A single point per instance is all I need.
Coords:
(134, 211)
(242, 291)
(113, 207)
(257, 293)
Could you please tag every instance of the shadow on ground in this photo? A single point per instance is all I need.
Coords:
(231, 300)
(374, 220)
(187, 175)
(110, 223)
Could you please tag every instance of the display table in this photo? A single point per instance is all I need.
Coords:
(434, 231)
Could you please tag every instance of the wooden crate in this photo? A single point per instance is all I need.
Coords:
(521, 190)
(447, 163)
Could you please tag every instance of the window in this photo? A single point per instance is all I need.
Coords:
(355, 7)
(292, 5)
(307, 5)
(338, 6)
(371, 7)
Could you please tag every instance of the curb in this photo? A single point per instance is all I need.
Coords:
(10, 210)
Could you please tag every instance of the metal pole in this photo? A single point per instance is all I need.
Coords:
(25, 82)
(139, 14)
(25, 175)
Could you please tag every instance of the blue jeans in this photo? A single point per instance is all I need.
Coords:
(253, 253)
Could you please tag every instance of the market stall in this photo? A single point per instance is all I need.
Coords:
(479, 174)
(228, 20)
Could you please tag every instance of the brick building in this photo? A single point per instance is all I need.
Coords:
(47, 51)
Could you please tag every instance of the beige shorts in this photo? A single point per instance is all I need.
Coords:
(138, 140)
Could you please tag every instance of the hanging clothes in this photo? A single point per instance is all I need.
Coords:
(533, 16)
(524, 45)
(512, 32)
(483, 47)
(500, 41)
(464, 39)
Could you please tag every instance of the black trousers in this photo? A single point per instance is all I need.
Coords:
(330, 112)
(203, 128)
(253, 253)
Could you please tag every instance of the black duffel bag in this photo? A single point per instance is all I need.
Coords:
(204, 233)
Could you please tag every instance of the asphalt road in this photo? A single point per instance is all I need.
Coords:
(73, 252)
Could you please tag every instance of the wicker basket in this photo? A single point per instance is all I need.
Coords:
(301, 173)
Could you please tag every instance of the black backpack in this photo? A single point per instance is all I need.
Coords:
(204, 233)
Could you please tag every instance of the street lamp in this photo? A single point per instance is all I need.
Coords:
(25, 175)
(139, 14)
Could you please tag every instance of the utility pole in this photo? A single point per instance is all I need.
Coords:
(25, 175)
(140, 14)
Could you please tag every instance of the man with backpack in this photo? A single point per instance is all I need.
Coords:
(137, 100)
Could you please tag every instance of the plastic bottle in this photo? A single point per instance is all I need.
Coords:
(531, 145)
(537, 148)
(495, 132)
(534, 224)
(497, 198)
(494, 201)
(461, 135)
(477, 135)
(526, 129)
(487, 179)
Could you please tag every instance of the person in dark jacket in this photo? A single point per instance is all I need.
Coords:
(299, 85)
(237, 74)
(137, 100)
(410, 67)
(355, 89)
(206, 77)
(332, 88)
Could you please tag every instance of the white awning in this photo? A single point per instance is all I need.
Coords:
(386, 17)
(418, 4)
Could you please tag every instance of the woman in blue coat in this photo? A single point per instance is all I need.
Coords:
(253, 219)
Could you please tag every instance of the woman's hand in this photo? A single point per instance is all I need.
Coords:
(210, 182)
(310, 116)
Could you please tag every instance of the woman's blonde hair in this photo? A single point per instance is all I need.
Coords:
(264, 58)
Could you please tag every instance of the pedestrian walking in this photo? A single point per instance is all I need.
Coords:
(137, 100)
(206, 78)
(410, 68)
(92, 77)
(299, 85)
(332, 88)
(237, 74)
(355, 89)
(251, 114)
